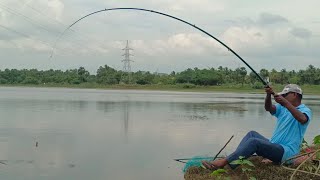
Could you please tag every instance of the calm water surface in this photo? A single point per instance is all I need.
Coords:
(80, 134)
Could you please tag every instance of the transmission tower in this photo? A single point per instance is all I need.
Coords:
(127, 60)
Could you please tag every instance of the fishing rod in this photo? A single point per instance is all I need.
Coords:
(199, 158)
(167, 15)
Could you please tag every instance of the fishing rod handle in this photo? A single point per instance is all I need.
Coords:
(268, 86)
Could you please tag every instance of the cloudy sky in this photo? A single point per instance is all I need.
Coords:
(267, 34)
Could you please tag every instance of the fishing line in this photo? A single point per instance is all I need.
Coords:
(167, 15)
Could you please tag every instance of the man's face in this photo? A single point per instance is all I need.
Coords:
(290, 96)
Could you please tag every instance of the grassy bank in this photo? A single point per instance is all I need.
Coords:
(259, 171)
(308, 89)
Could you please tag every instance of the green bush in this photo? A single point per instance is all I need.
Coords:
(257, 85)
(186, 85)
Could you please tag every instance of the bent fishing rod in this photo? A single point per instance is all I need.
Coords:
(170, 16)
(182, 160)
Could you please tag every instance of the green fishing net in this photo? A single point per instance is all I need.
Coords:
(196, 162)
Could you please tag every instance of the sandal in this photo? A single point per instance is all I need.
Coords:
(208, 165)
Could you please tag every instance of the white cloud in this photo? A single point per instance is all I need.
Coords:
(301, 32)
(26, 44)
(193, 44)
(243, 38)
(3, 19)
(56, 7)
(208, 6)
(267, 18)
(249, 31)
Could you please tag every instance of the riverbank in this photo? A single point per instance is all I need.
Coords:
(260, 170)
(308, 89)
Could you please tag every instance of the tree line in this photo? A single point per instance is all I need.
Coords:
(107, 75)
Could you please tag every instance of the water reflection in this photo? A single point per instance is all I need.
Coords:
(91, 134)
(36, 105)
(107, 106)
(126, 120)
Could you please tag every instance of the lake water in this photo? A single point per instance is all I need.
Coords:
(86, 134)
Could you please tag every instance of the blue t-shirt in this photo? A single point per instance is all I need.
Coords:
(288, 131)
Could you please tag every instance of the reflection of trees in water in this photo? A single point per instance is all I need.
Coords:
(63, 105)
(126, 120)
(111, 106)
(211, 107)
(79, 104)
(52, 105)
(193, 111)
(122, 107)
(143, 105)
(315, 109)
(192, 117)
(261, 109)
(202, 111)
(107, 106)
(60, 105)
(224, 109)
(180, 110)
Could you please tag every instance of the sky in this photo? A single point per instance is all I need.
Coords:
(266, 34)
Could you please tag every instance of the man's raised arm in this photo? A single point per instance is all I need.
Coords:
(268, 106)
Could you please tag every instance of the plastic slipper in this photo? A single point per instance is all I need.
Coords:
(208, 165)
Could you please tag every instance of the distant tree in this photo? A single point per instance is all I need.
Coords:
(108, 75)
(83, 75)
(264, 74)
(191, 77)
(241, 74)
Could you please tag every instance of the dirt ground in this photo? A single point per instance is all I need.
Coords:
(261, 171)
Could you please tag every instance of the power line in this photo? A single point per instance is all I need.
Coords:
(34, 23)
(26, 18)
(27, 36)
(41, 13)
(76, 33)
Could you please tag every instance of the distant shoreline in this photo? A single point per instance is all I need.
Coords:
(307, 89)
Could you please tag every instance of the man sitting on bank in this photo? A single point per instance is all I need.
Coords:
(293, 118)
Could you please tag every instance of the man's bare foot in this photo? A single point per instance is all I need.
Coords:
(266, 161)
(216, 164)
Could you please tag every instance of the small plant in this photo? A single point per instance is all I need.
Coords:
(309, 162)
(219, 174)
(246, 166)
(316, 142)
(306, 148)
